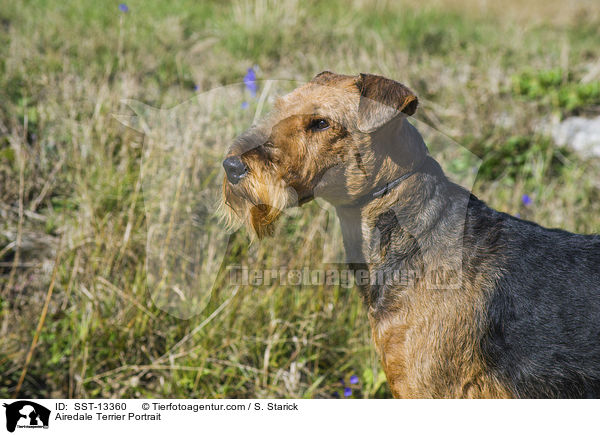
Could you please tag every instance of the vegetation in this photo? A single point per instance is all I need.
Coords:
(73, 227)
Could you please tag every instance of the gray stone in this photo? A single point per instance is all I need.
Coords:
(580, 134)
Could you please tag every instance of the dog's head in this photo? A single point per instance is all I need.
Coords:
(336, 137)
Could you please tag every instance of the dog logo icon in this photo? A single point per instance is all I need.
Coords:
(26, 414)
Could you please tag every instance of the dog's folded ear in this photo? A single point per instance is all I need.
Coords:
(381, 100)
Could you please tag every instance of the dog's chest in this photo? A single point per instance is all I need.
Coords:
(421, 362)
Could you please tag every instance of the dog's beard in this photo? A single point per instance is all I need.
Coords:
(257, 205)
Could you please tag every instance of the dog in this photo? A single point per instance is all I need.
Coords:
(518, 313)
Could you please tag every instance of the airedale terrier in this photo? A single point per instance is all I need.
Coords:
(519, 316)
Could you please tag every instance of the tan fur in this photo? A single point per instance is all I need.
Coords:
(426, 339)
(428, 352)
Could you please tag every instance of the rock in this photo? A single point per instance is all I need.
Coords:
(582, 135)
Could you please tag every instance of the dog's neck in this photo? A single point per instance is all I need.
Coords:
(417, 224)
(407, 199)
(394, 142)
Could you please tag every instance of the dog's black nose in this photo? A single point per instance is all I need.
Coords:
(235, 169)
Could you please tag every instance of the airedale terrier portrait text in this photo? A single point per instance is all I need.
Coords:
(516, 313)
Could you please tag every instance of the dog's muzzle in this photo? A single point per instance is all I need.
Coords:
(235, 169)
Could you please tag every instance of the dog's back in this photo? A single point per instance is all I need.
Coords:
(543, 332)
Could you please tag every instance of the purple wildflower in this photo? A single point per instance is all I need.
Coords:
(526, 200)
(245, 105)
(347, 392)
(250, 82)
(336, 394)
(123, 8)
(354, 379)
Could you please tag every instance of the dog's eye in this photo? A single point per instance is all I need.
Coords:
(319, 125)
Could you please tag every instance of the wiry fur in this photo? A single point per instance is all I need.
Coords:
(517, 315)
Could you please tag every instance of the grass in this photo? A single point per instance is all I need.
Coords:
(70, 177)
